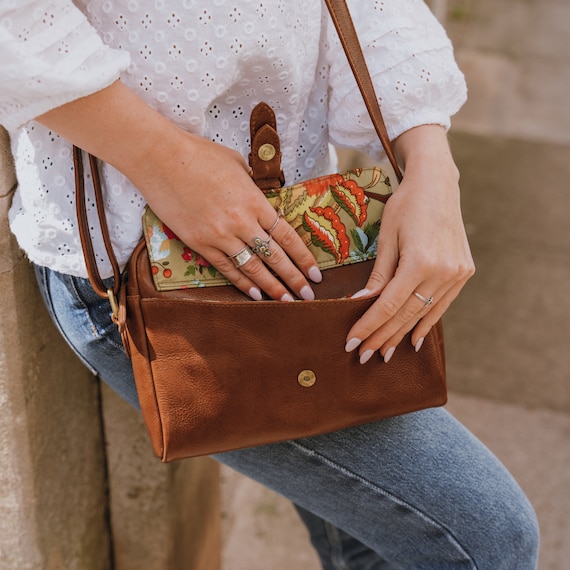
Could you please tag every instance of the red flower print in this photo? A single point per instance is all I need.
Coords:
(188, 254)
(169, 233)
(351, 198)
(320, 186)
(201, 262)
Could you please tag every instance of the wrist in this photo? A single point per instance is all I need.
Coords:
(426, 148)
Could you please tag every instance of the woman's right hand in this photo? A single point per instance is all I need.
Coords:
(204, 193)
(199, 189)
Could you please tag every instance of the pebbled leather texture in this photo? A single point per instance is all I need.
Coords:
(216, 371)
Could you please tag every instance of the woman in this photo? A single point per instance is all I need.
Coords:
(162, 96)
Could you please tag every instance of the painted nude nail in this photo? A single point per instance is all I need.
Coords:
(287, 297)
(419, 344)
(307, 293)
(352, 344)
(366, 356)
(315, 274)
(389, 354)
(255, 294)
(361, 293)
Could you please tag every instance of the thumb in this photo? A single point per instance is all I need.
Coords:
(383, 271)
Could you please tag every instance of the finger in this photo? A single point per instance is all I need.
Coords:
(290, 242)
(390, 304)
(435, 309)
(383, 271)
(250, 276)
(275, 258)
(421, 324)
(227, 268)
(254, 262)
(431, 317)
(389, 335)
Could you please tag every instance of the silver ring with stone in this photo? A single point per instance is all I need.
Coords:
(261, 246)
(241, 257)
(426, 300)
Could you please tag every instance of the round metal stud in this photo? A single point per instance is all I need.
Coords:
(307, 378)
(266, 152)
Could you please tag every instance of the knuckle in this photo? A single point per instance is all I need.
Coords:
(469, 270)
(390, 307)
(288, 237)
(378, 278)
(241, 281)
(276, 257)
(224, 264)
(448, 272)
(407, 313)
(254, 267)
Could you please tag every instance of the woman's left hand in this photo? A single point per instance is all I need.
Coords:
(423, 254)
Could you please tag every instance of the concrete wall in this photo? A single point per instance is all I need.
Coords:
(507, 333)
(79, 486)
(516, 57)
(52, 469)
(163, 516)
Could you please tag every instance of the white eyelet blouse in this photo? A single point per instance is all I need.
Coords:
(205, 65)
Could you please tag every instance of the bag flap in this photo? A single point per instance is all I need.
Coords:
(335, 216)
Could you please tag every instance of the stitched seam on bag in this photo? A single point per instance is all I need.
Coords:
(430, 520)
(156, 400)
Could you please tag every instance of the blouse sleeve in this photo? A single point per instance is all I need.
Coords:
(412, 65)
(49, 55)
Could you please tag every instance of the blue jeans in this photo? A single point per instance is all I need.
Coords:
(413, 492)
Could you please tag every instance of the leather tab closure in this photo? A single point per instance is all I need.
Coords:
(265, 155)
(266, 152)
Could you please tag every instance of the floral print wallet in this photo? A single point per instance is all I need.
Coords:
(337, 216)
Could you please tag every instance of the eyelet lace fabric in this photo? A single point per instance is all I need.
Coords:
(204, 65)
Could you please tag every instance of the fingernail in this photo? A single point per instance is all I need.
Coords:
(419, 344)
(287, 297)
(255, 294)
(361, 293)
(315, 274)
(366, 356)
(352, 344)
(307, 293)
(389, 354)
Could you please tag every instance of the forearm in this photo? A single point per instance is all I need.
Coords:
(117, 126)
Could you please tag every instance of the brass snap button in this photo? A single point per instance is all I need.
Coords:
(266, 152)
(307, 378)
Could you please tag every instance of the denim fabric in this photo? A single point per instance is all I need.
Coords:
(84, 320)
(414, 492)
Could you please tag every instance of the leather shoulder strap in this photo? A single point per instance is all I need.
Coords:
(349, 39)
(83, 225)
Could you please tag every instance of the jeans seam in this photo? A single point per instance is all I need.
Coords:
(428, 519)
(106, 337)
(335, 546)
